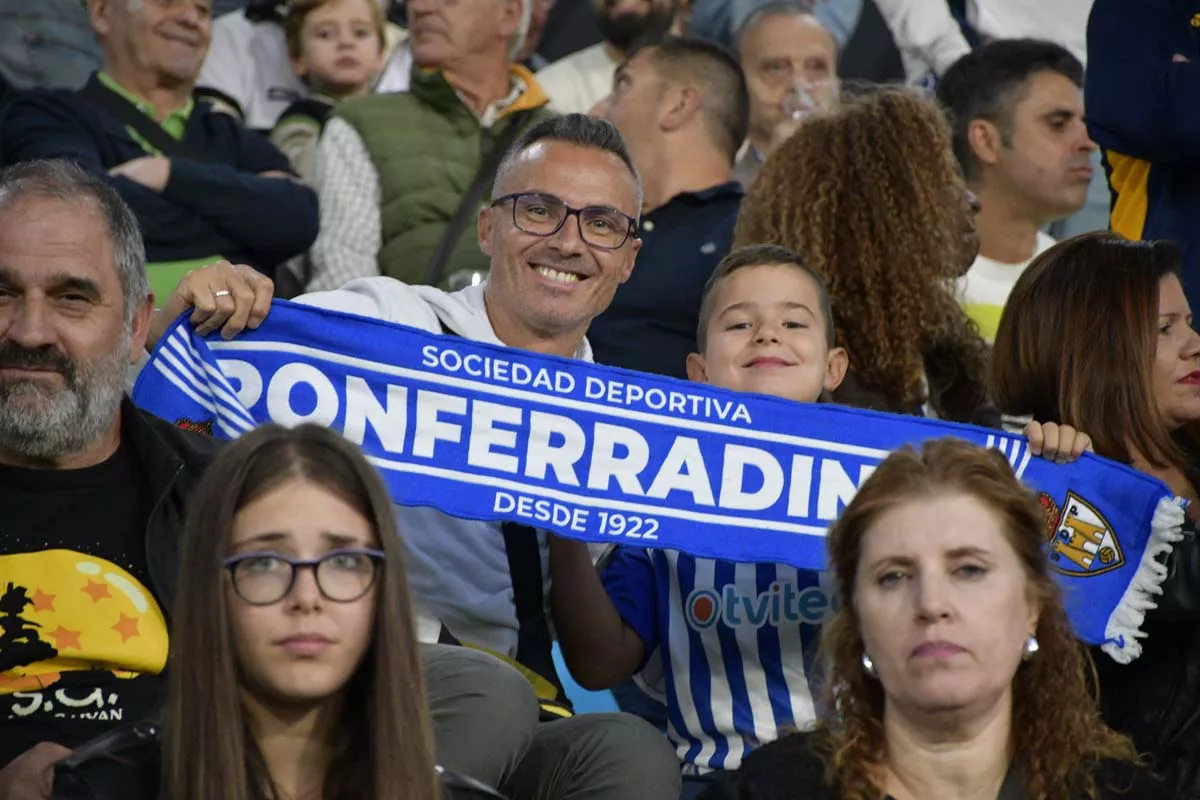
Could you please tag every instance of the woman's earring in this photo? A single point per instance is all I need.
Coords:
(869, 666)
(1030, 649)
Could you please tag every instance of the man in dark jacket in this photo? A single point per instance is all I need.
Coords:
(203, 188)
(683, 107)
(91, 489)
(1142, 92)
(93, 493)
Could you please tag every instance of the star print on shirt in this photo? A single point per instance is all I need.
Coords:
(96, 590)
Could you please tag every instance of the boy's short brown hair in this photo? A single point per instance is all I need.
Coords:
(760, 255)
(298, 11)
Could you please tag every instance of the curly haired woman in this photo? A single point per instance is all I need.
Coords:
(871, 197)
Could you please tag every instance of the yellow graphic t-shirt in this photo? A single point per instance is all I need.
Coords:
(79, 636)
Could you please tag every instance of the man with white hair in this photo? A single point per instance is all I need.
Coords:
(400, 176)
(202, 187)
(790, 60)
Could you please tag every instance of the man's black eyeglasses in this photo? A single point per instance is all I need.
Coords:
(544, 215)
(343, 575)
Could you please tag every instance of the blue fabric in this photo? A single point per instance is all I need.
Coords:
(1142, 93)
(47, 44)
(607, 455)
(633, 700)
(696, 785)
(583, 701)
(756, 624)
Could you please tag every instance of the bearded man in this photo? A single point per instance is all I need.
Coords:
(91, 488)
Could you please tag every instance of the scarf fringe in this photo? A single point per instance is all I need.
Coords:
(1124, 630)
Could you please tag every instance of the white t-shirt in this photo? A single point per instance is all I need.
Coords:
(1061, 21)
(929, 38)
(248, 63)
(577, 82)
(984, 290)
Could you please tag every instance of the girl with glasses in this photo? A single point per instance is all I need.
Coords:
(294, 671)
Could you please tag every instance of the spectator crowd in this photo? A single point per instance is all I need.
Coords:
(981, 211)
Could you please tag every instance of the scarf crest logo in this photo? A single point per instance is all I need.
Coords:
(1082, 543)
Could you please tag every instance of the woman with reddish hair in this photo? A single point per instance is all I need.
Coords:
(952, 669)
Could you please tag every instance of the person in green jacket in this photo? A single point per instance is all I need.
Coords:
(392, 170)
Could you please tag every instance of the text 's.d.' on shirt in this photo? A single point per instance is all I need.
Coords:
(985, 288)
(736, 641)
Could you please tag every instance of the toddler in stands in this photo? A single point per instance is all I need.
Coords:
(337, 48)
(736, 640)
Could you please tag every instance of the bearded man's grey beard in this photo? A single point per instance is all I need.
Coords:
(46, 424)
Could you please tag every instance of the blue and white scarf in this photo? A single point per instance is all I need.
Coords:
(613, 456)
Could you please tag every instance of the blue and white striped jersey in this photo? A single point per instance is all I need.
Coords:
(737, 642)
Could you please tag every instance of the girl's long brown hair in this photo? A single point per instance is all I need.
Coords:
(1057, 733)
(385, 748)
(1077, 339)
(871, 197)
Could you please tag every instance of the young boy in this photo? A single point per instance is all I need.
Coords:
(337, 48)
(734, 677)
(736, 640)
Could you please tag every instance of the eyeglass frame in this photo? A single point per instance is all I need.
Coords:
(571, 211)
(378, 557)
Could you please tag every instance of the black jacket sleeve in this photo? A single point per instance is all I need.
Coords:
(274, 218)
(45, 125)
(1180, 599)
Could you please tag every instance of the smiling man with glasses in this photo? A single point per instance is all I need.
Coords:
(560, 235)
(550, 279)
(544, 215)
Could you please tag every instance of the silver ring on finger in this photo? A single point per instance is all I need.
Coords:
(222, 293)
